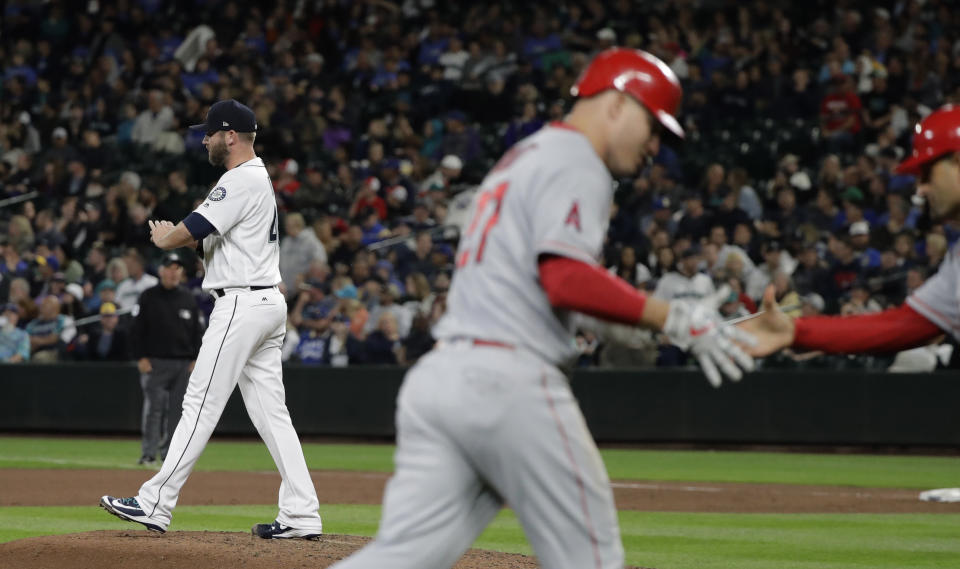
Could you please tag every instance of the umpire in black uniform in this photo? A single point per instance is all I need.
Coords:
(165, 339)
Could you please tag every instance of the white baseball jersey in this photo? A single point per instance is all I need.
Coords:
(938, 299)
(550, 194)
(244, 250)
(674, 285)
(242, 346)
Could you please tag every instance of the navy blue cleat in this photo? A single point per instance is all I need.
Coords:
(129, 509)
(278, 531)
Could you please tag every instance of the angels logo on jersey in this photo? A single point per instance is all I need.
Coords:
(573, 218)
(217, 194)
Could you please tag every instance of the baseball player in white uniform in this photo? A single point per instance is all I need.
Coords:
(237, 228)
(488, 418)
(930, 312)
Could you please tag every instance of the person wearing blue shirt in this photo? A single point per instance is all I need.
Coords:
(14, 342)
(860, 240)
(45, 330)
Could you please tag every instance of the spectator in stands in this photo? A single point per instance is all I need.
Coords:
(695, 223)
(45, 331)
(96, 264)
(846, 268)
(383, 346)
(107, 341)
(840, 114)
(314, 309)
(130, 288)
(14, 341)
(20, 295)
(860, 241)
(812, 305)
(686, 281)
(775, 260)
(450, 168)
(298, 249)
(630, 269)
(156, 119)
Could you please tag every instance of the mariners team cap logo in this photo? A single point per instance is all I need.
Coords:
(228, 115)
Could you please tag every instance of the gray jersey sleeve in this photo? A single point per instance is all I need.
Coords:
(938, 299)
(571, 214)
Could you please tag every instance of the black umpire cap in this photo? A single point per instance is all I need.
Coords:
(171, 258)
(228, 115)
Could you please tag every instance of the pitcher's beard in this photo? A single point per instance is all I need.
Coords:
(217, 154)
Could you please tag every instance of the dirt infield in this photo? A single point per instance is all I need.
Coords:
(222, 550)
(22, 487)
(207, 550)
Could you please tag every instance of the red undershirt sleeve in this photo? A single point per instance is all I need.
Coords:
(892, 330)
(574, 285)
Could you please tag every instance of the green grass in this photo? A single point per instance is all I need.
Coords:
(26, 452)
(880, 471)
(661, 540)
(703, 466)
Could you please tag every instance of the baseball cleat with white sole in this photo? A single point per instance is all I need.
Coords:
(278, 531)
(129, 509)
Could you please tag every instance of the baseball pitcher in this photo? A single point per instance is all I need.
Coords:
(236, 231)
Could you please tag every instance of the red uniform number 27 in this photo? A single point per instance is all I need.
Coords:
(495, 195)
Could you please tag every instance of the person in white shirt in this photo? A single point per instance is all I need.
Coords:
(686, 281)
(156, 119)
(128, 291)
(775, 260)
(300, 248)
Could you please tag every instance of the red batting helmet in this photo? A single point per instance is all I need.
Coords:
(936, 135)
(639, 74)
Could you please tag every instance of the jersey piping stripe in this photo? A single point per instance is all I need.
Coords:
(200, 410)
(550, 245)
(934, 312)
(576, 473)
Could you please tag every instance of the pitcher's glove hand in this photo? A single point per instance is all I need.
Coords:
(695, 326)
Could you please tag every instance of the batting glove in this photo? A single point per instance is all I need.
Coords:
(695, 327)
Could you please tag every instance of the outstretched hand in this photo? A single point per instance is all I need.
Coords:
(773, 329)
(695, 326)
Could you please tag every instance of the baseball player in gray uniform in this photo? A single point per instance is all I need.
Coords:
(931, 311)
(237, 231)
(488, 418)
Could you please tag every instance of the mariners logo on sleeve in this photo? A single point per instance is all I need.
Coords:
(217, 194)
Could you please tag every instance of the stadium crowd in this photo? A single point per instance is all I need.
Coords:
(377, 120)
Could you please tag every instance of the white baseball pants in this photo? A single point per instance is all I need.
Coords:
(241, 345)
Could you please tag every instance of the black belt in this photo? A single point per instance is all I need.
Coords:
(219, 291)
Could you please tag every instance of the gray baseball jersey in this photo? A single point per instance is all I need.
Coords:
(938, 299)
(486, 418)
(549, 194)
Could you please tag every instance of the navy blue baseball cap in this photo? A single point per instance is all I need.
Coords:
(228, 115)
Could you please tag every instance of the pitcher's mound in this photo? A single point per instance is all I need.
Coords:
(207, 550)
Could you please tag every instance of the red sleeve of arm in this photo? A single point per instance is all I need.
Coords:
(892, 330)
(575, 285)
